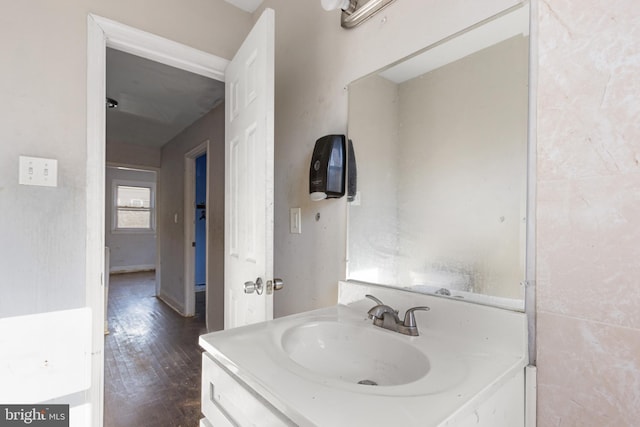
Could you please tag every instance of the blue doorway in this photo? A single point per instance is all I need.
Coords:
(200, 222)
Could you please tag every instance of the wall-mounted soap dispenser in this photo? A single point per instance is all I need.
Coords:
(352, 173)
(328, 166)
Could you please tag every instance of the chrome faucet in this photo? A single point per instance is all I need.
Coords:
(387, 318)
(383, 315)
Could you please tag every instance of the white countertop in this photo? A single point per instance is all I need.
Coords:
(465, 366)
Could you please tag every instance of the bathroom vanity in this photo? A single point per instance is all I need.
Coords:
(334, 367)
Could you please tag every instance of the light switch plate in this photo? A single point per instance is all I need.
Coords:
(295, 220)
(357, 199)
(38, 171)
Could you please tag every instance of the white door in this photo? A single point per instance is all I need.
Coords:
(249, 111)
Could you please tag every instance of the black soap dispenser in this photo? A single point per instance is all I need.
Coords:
(327, 171)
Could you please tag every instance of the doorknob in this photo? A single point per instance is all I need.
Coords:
(257, 286)
(274, 285)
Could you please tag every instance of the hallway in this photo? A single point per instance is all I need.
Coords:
(152, 358)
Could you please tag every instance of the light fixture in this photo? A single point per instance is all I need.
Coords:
(355, 12)
(335, 4)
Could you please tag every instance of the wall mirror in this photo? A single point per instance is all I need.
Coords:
(440, 141)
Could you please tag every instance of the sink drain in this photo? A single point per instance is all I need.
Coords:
(367, 382)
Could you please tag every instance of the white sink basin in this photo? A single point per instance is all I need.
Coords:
(354, 354)
(309, 365)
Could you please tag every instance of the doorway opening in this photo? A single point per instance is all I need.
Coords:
(102, 34)
(196, 226)
(130, 215)
(201, 224)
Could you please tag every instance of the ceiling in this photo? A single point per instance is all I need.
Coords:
(155, 101)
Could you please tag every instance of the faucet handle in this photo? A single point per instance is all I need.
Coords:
(410, 319)
(377, 301)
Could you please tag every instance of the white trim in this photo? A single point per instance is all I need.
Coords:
(530, 263)
(151, 185)
(102, 32)
(158, 243)
(131, 268)
(189, 224)
(171, 302)
(145, 231)
(95, 182)
(141, 168)
(530, 395)
(159, 49)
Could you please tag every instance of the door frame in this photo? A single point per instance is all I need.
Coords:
(103, 33)
(189, 225)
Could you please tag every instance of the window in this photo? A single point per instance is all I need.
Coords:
(133, 206)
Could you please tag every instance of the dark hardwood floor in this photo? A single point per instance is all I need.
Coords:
(152, 358)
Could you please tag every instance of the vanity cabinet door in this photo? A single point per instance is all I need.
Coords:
(227, 402)
(219, 423)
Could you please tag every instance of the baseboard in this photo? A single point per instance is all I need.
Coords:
(175, 305)
(531, 390)
(131, 268)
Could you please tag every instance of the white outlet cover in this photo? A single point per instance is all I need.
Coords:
(38, 171)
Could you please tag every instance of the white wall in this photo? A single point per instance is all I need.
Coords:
(133, 155)
(129, 251)
(315, 60)
(171, 203)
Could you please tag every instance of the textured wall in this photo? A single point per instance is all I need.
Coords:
(588, 215)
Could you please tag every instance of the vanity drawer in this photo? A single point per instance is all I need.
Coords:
(227, 402)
